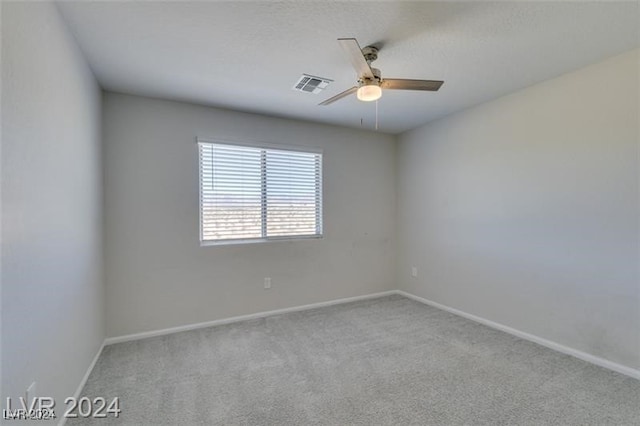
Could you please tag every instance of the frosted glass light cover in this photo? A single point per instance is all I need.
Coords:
(369, 93)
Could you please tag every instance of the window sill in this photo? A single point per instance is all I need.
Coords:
(259, 240)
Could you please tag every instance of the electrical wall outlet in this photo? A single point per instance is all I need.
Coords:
(267, 283)
(414, 271)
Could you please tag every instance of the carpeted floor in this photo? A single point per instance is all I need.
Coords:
(387, 361)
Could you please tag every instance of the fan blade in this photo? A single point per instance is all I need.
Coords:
(353, 50)
(340, 96)
(404, 84)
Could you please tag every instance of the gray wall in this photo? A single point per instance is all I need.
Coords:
(524, 210)
(157, 274)
(52, 294)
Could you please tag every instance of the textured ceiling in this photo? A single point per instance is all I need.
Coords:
(248, 55)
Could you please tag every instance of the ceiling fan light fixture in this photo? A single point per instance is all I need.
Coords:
(369, 92)
(370, 82)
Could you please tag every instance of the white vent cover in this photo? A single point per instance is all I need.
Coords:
(311, 84)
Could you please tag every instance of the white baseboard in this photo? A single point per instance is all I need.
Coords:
(601, 362)
(78, 391)
(153, 333)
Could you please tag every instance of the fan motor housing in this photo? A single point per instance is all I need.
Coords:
(363, 81)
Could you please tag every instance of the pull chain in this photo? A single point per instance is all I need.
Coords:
(376, 115)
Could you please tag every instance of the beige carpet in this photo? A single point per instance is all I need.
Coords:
(388, 361)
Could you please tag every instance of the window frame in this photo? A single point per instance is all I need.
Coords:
(266, 239)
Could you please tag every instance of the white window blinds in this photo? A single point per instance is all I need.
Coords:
(257, 193)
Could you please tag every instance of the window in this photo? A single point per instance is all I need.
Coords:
(251, 193)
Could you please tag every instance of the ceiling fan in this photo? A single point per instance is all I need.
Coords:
(370, 81)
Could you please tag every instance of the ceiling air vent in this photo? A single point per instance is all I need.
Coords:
(311, 84)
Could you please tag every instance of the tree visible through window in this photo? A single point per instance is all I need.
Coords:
(258, 193)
